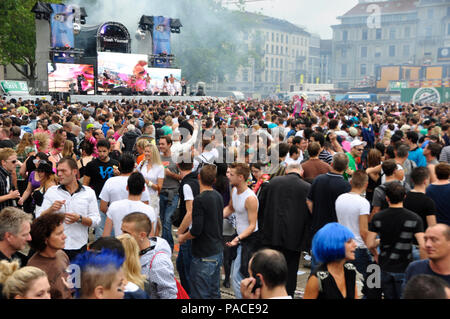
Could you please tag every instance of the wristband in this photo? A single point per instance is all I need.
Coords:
(149, 184)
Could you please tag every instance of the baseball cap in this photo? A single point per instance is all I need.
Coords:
(353, 131)
(356, 143)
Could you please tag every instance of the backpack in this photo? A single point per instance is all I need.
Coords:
(181, 293)
(202, 161)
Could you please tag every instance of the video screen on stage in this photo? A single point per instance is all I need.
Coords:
(77, 78)
(121, 71)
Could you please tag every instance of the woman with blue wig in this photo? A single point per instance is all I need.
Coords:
(333, 278)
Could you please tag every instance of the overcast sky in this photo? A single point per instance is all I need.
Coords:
(317, 16)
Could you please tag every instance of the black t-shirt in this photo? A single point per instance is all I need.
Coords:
(396, 227)
(420, 204)
(99, 172)
(207, 224)
(324, 191)
(7, 143)
(17, 255)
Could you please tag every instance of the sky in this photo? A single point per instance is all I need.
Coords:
(317, 16)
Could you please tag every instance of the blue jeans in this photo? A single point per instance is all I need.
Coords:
(236, 276)
(98, 231)
(363, 259)
(391, 284)
(166, 210)
(183, 263)
(205, 277)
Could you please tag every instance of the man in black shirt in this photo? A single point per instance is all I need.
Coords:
(323, 193)
(286, 218)
(97, 173)
(419, 203)
(207, 238)
(4, 138)
(15, 227)
(397, 228)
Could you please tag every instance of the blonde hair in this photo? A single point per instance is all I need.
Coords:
(168, 120)
(68, 148)
(6, 152)
(156, 158)
(26, 141)
(142, 143)
(43, 140)
(17, 281)
(132, 265)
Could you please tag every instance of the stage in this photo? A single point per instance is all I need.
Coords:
(100, 98)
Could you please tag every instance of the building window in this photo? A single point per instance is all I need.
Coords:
(281, 63)
(272, 49)
(277, 49)
(287, 39)
(428, 31)
(276, 63)
(287, 52)
(343, 70)
(282, 38)
(364, 35)
(377, 52)
(344, 52)
(245, 75)
(267, 62)
(448, 11)
(408, 74)
(273, 36)
(266, 75)
(363, 69)
(271, 62)
(406, 50)
(378, 34)
(278, 37)
(267, 48)
(392, 50)
(392, 34)
(363, 52)
(407, 32)
(430, 13)
(344, 35)
(448, 29)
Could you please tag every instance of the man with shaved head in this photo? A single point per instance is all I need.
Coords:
(437, 246)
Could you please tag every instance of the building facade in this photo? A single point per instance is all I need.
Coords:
(281, 60)
(393, 32)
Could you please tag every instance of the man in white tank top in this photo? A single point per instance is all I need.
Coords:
(244, 204)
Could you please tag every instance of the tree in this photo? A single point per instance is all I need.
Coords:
(18, 36)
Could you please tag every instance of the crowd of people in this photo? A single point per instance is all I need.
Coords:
(118, 188)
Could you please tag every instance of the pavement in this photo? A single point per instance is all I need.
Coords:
(227, 293)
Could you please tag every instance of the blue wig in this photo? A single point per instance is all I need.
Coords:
(329, 242)
(104, 259)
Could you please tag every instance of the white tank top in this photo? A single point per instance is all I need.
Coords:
(240, 211)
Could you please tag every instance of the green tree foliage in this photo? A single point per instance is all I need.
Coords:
(18, 36)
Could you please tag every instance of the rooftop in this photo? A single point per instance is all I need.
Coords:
(386, 7)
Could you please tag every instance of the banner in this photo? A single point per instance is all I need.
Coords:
(425, 95)
(14, 87)
(161, 38)
(61, 22)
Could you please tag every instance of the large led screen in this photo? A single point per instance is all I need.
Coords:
(121, 70)
(63, 77)
(117, 71)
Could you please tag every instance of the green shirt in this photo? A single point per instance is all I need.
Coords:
(351, 164)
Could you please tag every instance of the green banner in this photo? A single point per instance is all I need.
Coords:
(426, 95)
(14, 87)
